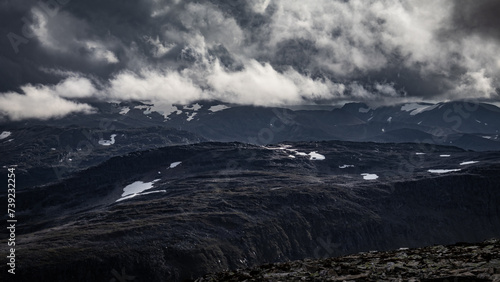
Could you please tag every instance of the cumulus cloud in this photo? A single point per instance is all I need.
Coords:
(255, 84)
(44, 102)
(151, 85)
(358, 39)
(260, 52)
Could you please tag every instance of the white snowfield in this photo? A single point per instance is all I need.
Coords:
(345, 166)
(124, 110)
(191, 117)
(5, 134)
(468, 163)
(164, 109)
(369, 176)
(147, 109)
(137, 188)
(218, 108)
(416, 108)
(173, 165)
(108, 142)
(194, 107)
(316, 156)
(442, 170)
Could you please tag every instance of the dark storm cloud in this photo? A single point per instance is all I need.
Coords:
(482, 17)
(114, 26)
(263, 52)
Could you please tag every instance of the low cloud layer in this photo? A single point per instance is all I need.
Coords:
(45, 102)
(260, 52)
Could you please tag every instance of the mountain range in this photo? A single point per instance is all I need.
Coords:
(157, 195)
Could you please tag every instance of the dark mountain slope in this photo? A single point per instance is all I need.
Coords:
(232, 205)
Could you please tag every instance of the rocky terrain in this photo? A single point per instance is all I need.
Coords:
(45, 154)
(460, 262)
(211, 207)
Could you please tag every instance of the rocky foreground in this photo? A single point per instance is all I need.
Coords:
(459, 262)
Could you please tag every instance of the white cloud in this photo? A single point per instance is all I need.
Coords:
(73, 87)
(154, 85)
(63, 33)
(359, 92)
(357, 35)
(386, 89)
(255, 84)
(260, 6)
(159, 49)
(100, 53)
(212, 25)
(474, 85)
(261, 84)
(349, 41)
(40, 102)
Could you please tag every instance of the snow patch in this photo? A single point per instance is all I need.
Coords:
(194, 107)
(345, 166)
(5, 134)
(147, 109)
(137, 188)
(442, 170)
(312, 156)
(315, 156)
(282, 147)
(140, 194)
(124, 111)
(108, 142)
(218, 108)
(369, 176)
(468, 163)
(175, 164)
(416, 108)
(444, 156)
(411, 107)
(418, 153)
(163, 109)
(191, 117)
(389, 119)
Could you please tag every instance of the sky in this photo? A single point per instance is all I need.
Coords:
(57, 54)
